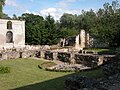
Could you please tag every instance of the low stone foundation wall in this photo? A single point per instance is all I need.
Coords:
(110, 80)
(68, 57)
(89, 60)
(64, 57)
(48, 55)
(27, 54)
(16, 54)
(85, 59)
(13, 55)
(9, 55)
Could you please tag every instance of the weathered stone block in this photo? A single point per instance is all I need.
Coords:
(89, 60)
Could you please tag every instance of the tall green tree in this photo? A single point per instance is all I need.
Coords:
(107, 25)
(34, 26)
(53, 33)
(2, 3)
(103, 25)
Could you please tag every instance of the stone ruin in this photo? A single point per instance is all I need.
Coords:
(86, 60)
(83, 40)
(12, 34)
(109, 81)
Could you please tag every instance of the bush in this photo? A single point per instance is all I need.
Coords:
(4, 69)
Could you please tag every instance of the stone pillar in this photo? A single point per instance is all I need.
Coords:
(63, 42)
(42, 54)
(72, 58)
(82, 39)
(87, 39)
(72, 55)
(77, 42)
(55, 54)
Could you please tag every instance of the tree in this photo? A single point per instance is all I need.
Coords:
(5, 16)
(52, 30)
(103, 25)
(14, 17)
(34, 26)
(107, 25)
(68, 25)
(2, 3)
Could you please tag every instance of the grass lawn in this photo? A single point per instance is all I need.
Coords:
(25, 75)
(102, 50)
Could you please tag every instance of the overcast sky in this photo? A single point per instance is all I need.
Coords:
(53, 7)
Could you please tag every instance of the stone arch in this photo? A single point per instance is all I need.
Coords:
(9, 25)
(9, 37)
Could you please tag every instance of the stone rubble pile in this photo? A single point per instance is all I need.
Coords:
(84, 83)
(110, 80)
(72, 67)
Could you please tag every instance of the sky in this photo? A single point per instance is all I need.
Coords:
(55, 8)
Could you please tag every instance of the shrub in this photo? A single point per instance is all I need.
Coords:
(4, 69)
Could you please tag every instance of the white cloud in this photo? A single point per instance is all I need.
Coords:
(57, 12)
(35, 13)
(62, 7)
(51, 11)
(48, 10)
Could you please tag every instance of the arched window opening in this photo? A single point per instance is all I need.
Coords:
(9, 25)
(9, 37)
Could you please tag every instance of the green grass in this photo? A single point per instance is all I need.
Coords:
(25, 75)
(102, 50)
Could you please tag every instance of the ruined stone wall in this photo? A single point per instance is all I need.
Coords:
(18, 31)
(110, 80)
(89, 60)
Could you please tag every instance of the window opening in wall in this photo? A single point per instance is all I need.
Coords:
(9, 37)
(9, 25)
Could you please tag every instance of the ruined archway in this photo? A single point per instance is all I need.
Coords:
(9, 25)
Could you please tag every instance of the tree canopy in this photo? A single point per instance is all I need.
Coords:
(2, 3)
(103, 25)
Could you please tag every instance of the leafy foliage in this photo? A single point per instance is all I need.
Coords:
(4, 69)
(2, 3)
(40, 31)
(103, 25)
